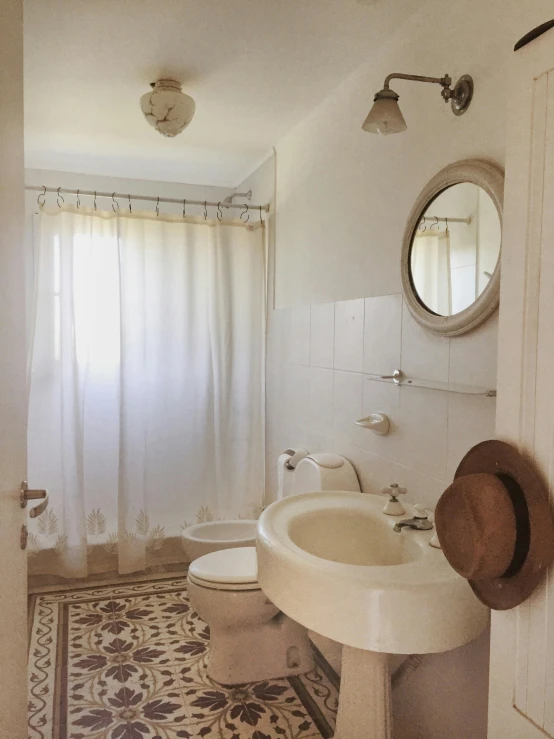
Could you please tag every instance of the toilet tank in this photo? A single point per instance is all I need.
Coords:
(325, 471)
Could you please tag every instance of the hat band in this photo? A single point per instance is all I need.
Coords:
(523, 526)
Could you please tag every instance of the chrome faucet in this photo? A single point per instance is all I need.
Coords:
(419, 522)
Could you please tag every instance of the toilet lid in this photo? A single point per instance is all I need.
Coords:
(237, 566)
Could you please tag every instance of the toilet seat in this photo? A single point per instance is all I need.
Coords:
(227, 569)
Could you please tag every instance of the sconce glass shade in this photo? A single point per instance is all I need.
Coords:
(167, 108)
(385, 116)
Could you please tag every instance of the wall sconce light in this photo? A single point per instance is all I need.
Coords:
(385, 116)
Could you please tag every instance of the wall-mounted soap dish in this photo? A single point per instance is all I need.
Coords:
(376, 422)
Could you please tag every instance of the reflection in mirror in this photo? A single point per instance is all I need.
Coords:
(455, 249)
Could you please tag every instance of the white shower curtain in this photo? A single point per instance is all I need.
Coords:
(146, 394)
(430, 266)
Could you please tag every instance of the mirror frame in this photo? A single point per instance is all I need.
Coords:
(490, 178)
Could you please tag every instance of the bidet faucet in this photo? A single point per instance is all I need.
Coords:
(419, 522)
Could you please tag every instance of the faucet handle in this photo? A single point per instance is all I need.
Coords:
(393, 507)
(420, 511)
(394, 490)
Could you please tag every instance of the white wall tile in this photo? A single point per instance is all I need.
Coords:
(473, 355)
(382, 397)
(311, 440)
(298, 394)
(375, 472)
(316, 407)
(277, 395)
(470, 664)
(424, 355)
(382, 334)
(349, 335)
(422, 488)
(422, 431)
(471, 419)
(456, 679)
(321, 400)
(322, 335)
(348, 407)
(299, 335)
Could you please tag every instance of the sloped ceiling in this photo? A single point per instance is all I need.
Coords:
(255, 68)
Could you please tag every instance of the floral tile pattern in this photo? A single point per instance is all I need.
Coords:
(129, 662)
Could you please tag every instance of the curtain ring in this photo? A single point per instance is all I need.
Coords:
(59, 197)
(245, 211)
(219, 212)
(436, 223)
(446, 221)
(205, 210)
(422, 226)
(78, 200)
(130, 207)
(43, 196)
(95, 200)
(157, 207)
(261, 219)
(114, 203)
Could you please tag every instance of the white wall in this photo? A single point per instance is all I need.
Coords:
(343, 195)
(342, 200)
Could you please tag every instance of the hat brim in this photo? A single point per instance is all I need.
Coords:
(535, 536)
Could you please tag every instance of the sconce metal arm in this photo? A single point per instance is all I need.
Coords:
(445, 81)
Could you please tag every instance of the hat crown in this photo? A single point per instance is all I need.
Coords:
(477, 528)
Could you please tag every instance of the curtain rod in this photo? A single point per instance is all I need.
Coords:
(115, 195)
(444, 218)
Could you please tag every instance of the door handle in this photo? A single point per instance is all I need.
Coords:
(27, 495)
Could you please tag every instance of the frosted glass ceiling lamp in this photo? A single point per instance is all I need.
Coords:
(385, 115)
(167, 108)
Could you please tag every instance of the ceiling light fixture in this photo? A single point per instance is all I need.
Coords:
(385, 116)
(167, 108)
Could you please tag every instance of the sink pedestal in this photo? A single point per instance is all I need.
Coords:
(364, 703)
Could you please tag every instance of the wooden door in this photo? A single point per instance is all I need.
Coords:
(13, 388)
(522, 643)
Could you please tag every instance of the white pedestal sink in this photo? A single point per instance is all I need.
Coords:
(332, 562)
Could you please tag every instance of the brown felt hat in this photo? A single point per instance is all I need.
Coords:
(495, 525)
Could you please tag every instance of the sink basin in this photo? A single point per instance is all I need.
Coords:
(343, 535)
(332, 562)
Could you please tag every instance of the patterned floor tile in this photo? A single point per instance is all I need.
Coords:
(128, 661)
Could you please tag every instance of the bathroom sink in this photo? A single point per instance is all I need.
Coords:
(332, 562)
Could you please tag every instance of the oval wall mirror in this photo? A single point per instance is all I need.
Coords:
(451, 250)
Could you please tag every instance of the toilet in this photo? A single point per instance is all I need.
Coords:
(250, 639)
